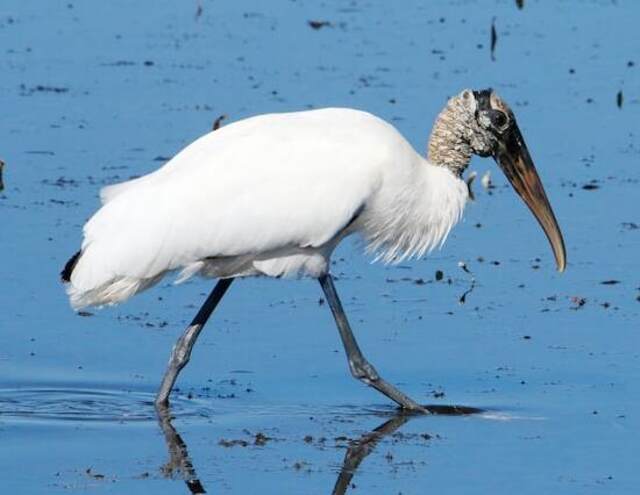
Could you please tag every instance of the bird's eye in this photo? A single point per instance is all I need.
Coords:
(498, 119)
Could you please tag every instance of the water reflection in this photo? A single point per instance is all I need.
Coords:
(361, 448)
(180, 465)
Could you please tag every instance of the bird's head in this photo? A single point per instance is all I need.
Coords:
(480, 122)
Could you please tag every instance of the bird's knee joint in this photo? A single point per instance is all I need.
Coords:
(179, 357)
(362, 370)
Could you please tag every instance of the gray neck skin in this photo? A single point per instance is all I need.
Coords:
(451, 137)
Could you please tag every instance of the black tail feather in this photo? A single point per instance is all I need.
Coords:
(65, 274)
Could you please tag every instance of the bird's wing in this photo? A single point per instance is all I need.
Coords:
(261, 184)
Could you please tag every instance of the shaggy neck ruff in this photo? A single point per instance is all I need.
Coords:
(451, 143)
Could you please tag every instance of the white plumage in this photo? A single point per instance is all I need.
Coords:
(271, 195)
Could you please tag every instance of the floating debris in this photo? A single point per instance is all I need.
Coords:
(619, 99)
(494, 39)
(95, 476)
(1, 181)
(610, 282)
(318, 24)
(464, 268)
(261, 439)
(298, 465)
(40, 152)
(591, 186)
(218, 122)
(578, 301)
(118, 63)
(439, 275)
(232, 443)
(48, 89)
(486, 180)
(199, 10)
(463, 297)
(520, 4)
(61, 182)
(472, 176)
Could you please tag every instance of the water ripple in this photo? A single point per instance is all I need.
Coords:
(82, 404)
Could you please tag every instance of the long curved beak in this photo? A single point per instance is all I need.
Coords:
(513, 158)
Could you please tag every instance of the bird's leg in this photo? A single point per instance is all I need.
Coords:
(182, 349)
(359, 366)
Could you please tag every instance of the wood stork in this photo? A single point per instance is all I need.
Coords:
(274, 194)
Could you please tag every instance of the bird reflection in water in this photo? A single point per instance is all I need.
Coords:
(180, 466)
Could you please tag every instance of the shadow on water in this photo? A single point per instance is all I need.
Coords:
(180, 464)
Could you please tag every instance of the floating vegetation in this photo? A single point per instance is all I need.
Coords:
(494, 39)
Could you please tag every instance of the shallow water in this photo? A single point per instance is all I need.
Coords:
(93, 93)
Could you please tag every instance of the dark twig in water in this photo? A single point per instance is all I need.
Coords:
(1, 181)
(318, 24)
(218, 122)
(619, 99)
(494, 39)
(464, 267)
(470, 178)
(463, 297)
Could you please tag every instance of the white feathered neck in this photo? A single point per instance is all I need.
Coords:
(415, 214)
